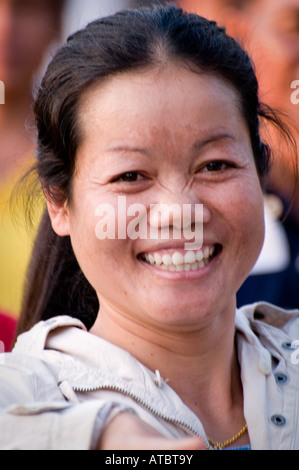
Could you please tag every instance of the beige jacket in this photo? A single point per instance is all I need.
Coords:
(61, 385)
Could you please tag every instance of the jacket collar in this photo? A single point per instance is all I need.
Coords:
(88, 363)
(68, 335)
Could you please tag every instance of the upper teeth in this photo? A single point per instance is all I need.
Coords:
(179, 261)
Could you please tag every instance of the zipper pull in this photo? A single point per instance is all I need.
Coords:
(158, 379)
(68, 392)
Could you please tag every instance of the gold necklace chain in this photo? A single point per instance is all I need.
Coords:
(221, 445)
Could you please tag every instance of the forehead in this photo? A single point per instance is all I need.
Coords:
(157, 94)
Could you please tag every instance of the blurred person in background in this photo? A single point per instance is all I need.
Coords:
(27, 29)
(269, 30)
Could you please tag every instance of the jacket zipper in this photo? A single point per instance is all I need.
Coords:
(138, 400)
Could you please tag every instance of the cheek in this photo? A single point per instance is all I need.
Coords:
(242, 209)
(242, 223)
(82, 223)
(249, 222)
(98, 255)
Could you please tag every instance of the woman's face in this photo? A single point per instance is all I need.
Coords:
(164, 136)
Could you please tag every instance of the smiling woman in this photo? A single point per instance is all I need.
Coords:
(153, 108)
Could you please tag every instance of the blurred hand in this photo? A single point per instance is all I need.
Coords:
(127, 432)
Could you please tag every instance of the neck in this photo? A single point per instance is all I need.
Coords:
(199, 363)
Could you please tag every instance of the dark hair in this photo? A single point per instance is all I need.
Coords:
(128, 40)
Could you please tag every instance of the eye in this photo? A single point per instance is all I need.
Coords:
(217, 165)
(129, 177)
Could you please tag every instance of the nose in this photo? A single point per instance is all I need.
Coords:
(181, 214)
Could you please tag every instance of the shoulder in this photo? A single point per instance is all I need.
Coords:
(34, 341)
(29, 373)
(272, 327)
(271, 316)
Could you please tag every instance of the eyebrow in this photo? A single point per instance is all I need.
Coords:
(196, 146)
(128, 148)
(200, 143)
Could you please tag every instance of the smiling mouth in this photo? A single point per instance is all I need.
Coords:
(181, 260)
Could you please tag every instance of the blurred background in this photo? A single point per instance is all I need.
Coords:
(31, 30)
(79, 13)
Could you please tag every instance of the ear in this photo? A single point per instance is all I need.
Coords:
(59, 215)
